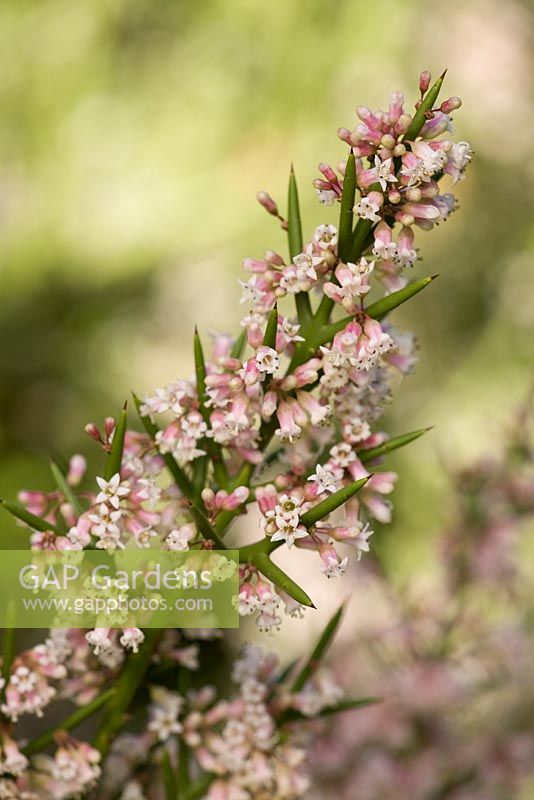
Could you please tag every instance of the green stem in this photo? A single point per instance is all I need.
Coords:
(128, 682)
(72, 721)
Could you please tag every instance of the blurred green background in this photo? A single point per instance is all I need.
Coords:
(133, 137)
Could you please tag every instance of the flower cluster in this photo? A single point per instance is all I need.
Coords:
(244, 742)
(280, 424)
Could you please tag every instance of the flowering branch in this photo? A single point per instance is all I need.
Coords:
(278, 424)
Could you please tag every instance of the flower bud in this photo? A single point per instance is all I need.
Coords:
(265, 200)
(77, 467)
(399, 150)
(109, 426)
(424, 81)
(450, 105)
(208, 498)
(273, 258)
(394, 196)
(403, 123)
(344, 135)
(93, 431)
(413, 194)
(387, 141)
(328, 172)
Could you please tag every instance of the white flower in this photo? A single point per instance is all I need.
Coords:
(325, 479)
(99, 639)
(335, 569)
(383, 172)
(360, 539)
(250, 294)
(305, 265)
(150, 491)
(387, 251)
(458, 157)
(179, 539)
(143, 536)
(326, 237)
(367, 209)
(356, 430)
(246, 603)
(291, 331)
(164, 712)
(326, 196)
(342, 455)
(289, 534)
(132, 638)
(111, 491)
(267, 360)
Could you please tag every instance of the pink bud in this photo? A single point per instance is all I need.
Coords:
(77, 467)
(424, 81)
(92, 430)
(394, 196)
(328, 172)
(376, 198)
(344, 135)
(274, 258)
(208, 498)
(265, 200)
(109, 426)
(450, 105)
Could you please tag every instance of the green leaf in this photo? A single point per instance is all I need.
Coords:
(269, 339)
(239, 345)
(293, 715)
(65, 489)
(167, 773)
(263, 563)
(346, 217)
(286, 672)
(8, 650)
(206, 528)
(114, 459)
(382, 307)
(346, 214)
(392, 444)
(319, 650)
(427, 104)
(332, 502)
(198, 789)
(200, 467)
(72, 721)
(294, 236)
(294, 225)
(30, 519)
(180, 478)
(200, 373)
